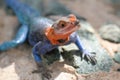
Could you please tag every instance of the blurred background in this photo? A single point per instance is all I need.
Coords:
(97, 12)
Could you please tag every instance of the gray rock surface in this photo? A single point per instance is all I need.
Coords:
(110, 32)
(117, 56)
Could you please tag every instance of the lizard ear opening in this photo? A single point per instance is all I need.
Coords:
(54, 25)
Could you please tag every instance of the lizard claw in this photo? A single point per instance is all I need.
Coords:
(45, 72)
(90, 57)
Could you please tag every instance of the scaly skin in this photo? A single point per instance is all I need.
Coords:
(42, 33)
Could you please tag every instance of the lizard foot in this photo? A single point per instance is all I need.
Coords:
(46, 73)
(89, 57)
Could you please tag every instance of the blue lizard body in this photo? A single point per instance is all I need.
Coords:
(33, 27)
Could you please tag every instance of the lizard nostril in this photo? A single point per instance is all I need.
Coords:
(76, 23)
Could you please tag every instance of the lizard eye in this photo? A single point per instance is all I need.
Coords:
(62, 24)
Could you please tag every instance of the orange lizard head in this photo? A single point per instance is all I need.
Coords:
(60, 31)
(66, 25)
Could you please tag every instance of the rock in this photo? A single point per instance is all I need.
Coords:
(119, 48)
(110, 32)
(62, 71)
(91, 43)
(112, 75)
(109, 46)
(52, 56)
(117, 57)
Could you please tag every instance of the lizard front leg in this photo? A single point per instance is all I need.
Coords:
(85, 53)
(38, 51)
(19, 39)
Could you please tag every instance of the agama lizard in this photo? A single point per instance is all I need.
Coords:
(43, 33)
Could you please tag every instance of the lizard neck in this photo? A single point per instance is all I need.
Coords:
(56, 39)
